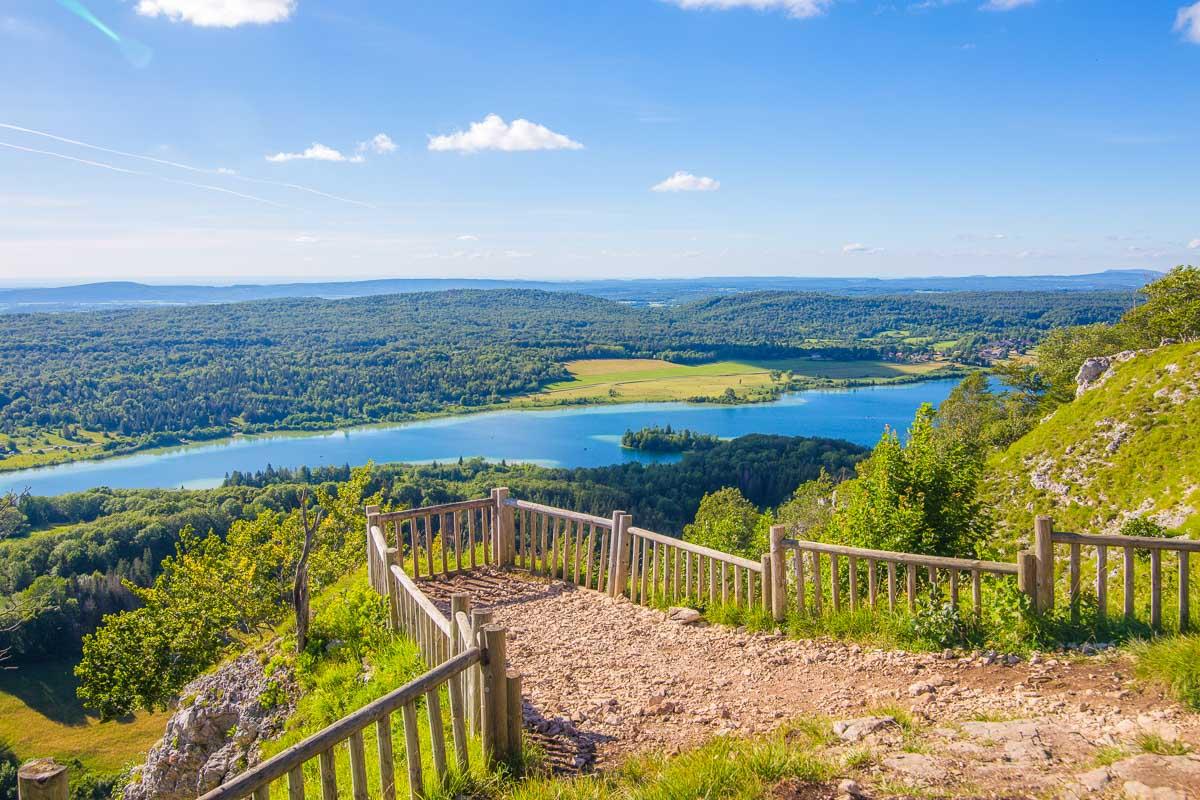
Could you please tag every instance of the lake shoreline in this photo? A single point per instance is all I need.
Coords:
(526, 403)
(559, 436)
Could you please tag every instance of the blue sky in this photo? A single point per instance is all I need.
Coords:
(657, 138)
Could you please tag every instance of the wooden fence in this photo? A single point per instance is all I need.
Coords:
(1048, 542)
(323, 746)
(563, 544)
(878, 572)
(674, 571)
(466, 655)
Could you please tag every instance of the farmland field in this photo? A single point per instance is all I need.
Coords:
(651, 380)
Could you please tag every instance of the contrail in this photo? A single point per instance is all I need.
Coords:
(178, 165)
(141, 174)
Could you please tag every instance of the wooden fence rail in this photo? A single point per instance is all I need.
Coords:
(480, 698)
(443, 539)
(562, 544)
(872, 573)
(323, 746)
(1048, 541)
(671, 570)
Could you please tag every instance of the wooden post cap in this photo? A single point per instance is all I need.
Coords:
(42, 779)
(41, 770)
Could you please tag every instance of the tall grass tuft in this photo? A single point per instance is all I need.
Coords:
(1173, 663)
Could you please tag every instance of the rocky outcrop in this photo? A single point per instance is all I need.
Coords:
(216, 731)
(1095, 371)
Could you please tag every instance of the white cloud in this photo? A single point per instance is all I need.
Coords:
(468, 237)
(1194, 244)
(686, 182)
(493, 133)
(304, 238)
(797, 9)
(857, 248)
(1005, 5)
(219, 13)
(318, 152)
(1187, 23)
(379, 144)
(226, 171)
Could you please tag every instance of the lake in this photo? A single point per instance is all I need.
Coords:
(586, 436)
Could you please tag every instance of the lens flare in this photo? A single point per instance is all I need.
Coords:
(136, 53)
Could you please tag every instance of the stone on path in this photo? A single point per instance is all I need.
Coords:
(683, 616)
(854, 730)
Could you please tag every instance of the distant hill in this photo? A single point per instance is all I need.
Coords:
(1129, 446)
(638, 292)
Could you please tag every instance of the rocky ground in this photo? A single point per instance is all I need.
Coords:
(605, 678)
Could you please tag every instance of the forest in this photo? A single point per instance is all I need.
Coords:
(127, 379)
(656, 439)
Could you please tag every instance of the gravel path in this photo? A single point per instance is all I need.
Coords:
(604, 679)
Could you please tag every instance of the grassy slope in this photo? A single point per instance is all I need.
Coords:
(1154, 470)
(41, 717)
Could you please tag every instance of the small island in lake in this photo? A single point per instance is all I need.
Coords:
(667, 440)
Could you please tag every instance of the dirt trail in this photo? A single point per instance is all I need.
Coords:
(604, 679)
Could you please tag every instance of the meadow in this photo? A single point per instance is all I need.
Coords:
(41, 717)
(633, 380)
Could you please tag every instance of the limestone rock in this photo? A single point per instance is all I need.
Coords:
(853, 730)
(683, 616)
(216, 731)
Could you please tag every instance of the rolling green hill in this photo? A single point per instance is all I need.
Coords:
(1127, 447)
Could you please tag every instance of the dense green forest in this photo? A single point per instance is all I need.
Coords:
(656, 439)
(67, 573)
(135, 378)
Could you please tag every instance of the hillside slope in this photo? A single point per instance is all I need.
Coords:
(1128, 446)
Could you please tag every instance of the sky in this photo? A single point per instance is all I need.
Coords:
(222, 141)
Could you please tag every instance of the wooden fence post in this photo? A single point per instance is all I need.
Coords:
(619, 558)
(43, 779)
(767, 572)
(516, 716)
(1043, 543)
(479, 620)
(1027, 572)
(778, 573)
(611, 578)
(505, 528)
(393, 592)
(372, 519)
(496, 692)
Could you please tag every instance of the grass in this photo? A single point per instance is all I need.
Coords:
(651, 380)
(722, 769)
(36, 448)
(1153, 743)
(1173, 663)
(40, 717)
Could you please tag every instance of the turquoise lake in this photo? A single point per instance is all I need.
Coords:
(576, 437)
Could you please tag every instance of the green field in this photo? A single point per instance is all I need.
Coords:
(650, 380)
(41, 717)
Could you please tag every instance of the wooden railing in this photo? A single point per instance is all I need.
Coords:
(563, 544)
(1047, 541)
(443, 539)
(493, 713)
(322, 747)
(674, 571)
(881, 570)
